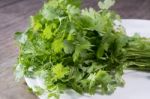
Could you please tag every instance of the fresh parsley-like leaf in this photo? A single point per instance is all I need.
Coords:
(106, 4)
(60, 71)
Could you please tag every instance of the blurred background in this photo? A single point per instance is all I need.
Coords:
(14, 16)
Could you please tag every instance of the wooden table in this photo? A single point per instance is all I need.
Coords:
(14, 16)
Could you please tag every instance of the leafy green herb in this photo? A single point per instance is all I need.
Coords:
(106, 4)
(83, 50)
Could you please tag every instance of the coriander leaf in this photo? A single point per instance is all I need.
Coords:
(47, 32)
(82, 45)
(35, 23)
(19, 71)
(106, 4)
(68, 47)
(49, 12)
(57, 45)
(60, 71)
(21, 37)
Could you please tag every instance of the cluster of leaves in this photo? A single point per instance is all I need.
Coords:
(83, 50)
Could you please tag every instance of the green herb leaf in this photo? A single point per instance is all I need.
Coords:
(106, 4)
(60, 71)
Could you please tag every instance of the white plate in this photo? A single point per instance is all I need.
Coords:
(137, 83)
(141, 27)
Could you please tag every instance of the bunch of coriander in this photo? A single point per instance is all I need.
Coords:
(80, 49)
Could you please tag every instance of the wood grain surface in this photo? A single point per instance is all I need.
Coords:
(14, 16)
